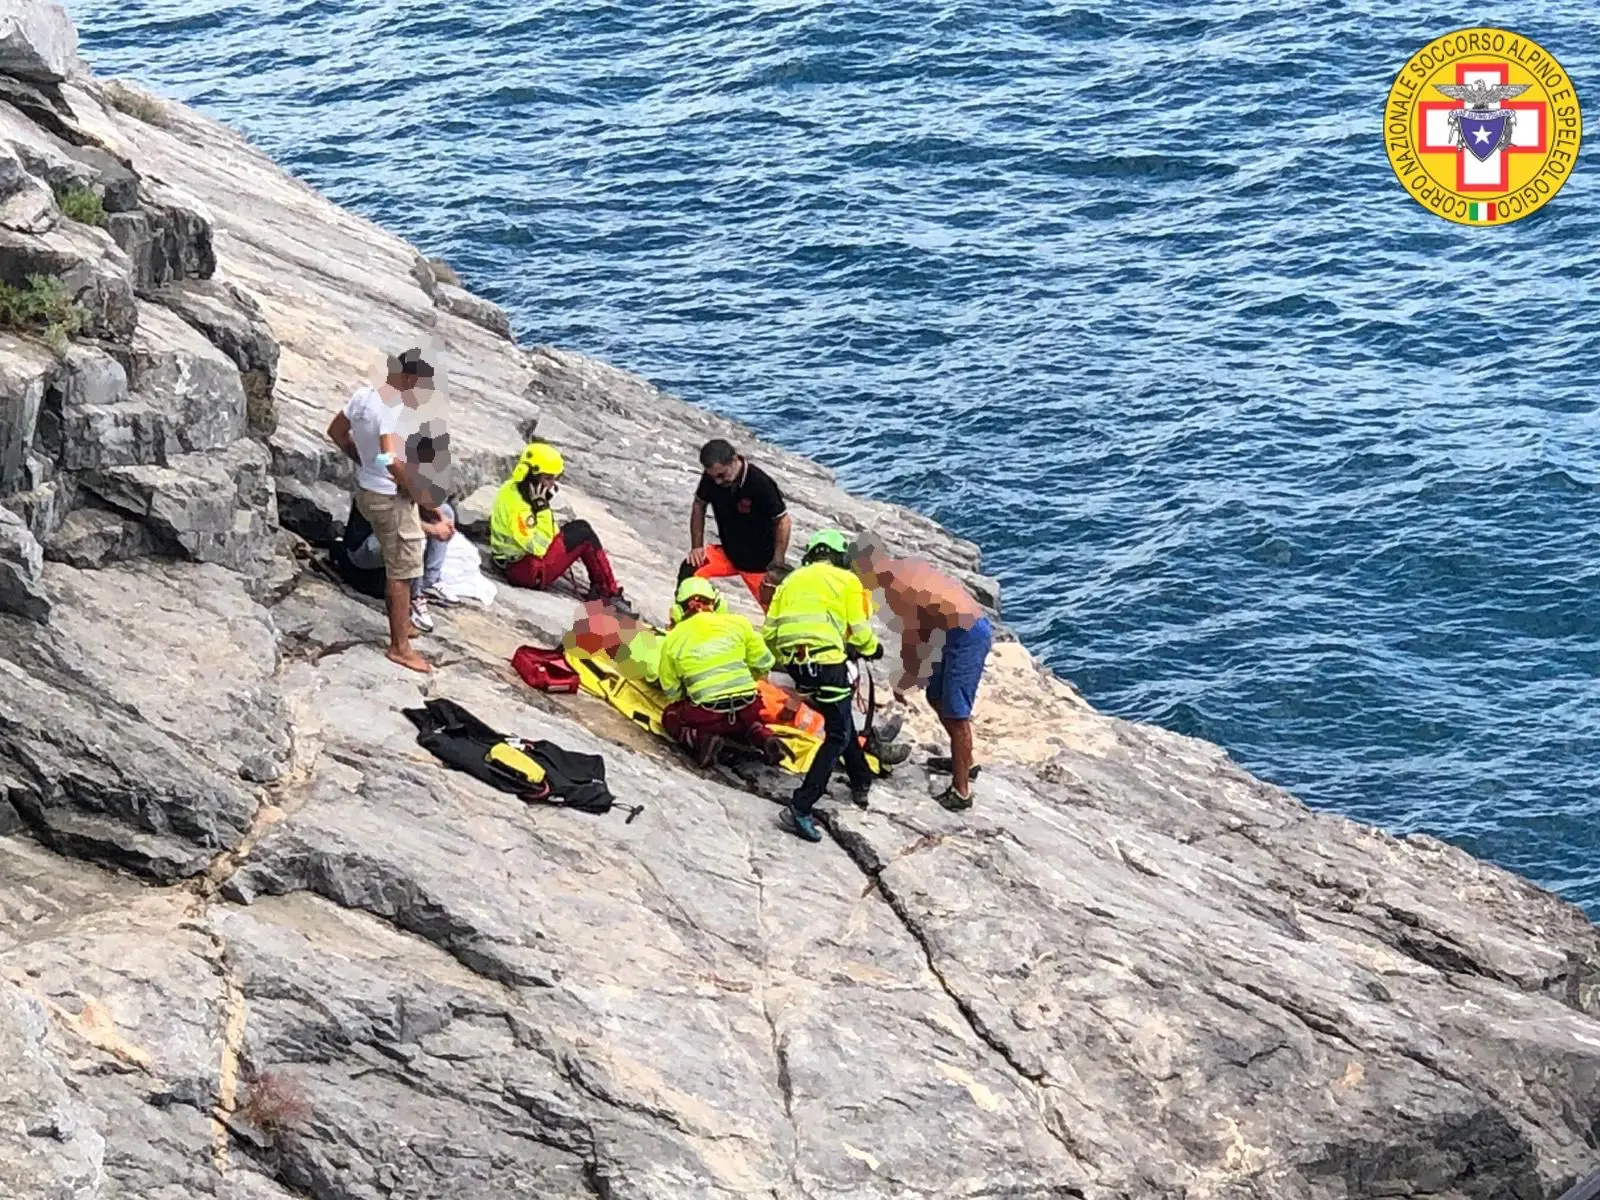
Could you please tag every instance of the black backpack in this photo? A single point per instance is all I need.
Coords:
(461, 741)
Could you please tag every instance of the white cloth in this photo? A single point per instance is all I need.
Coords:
(371, 416)
(462, 578)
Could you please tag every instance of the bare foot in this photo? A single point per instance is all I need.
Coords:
(410, 658)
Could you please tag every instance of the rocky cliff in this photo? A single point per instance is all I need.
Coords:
(255, 944)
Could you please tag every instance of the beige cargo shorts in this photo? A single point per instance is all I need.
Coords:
(400, 539)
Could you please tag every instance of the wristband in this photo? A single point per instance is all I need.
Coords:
(383, 459)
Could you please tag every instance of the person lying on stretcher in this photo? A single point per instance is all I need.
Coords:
(634, 647)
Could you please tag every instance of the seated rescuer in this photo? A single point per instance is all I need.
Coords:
(752, 523)
(930, 607)
(525, 542)
(820, 617)
(709, 664)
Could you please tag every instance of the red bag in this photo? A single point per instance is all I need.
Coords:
(546, 670)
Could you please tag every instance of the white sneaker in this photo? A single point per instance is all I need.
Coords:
(420, 617)
(433, 595)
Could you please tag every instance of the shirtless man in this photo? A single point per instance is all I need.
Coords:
(930, 607)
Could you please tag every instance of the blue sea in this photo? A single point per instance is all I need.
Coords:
(1126, 293)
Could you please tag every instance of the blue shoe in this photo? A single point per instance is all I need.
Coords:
(800, 824)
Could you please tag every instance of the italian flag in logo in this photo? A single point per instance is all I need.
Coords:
(1486, 213)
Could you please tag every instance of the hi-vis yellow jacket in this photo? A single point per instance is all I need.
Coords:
(515, 530)
(712, 656)
(816, 613)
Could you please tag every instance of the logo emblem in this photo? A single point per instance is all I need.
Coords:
(1482, 126)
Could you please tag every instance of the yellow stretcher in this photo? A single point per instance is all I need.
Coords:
(642, 702)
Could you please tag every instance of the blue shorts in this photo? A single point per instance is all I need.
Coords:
(954, 686)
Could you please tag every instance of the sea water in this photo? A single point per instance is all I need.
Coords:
(1127, 293)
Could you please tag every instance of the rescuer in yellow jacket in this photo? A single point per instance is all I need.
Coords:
(820, 618)
(710, 662)
(525, 541)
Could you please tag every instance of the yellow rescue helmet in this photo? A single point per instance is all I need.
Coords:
(695, 588)
(540, 458)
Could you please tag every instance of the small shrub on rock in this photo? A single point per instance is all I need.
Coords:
(137, 104)
(444, 272)
(82, 205)
(42, 308)
(274, 1104)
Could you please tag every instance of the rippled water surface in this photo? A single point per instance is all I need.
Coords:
(1124, 292)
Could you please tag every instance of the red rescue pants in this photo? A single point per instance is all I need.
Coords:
(575, 543)
(687, 723)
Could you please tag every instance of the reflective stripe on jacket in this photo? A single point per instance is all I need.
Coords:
(817, 613)
(712, 656)
(515, 529)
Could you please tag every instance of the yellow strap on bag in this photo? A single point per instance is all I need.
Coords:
(514, 760)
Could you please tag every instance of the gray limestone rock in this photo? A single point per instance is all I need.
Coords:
(22, 592)
(180, 245)
(197, 389)
(124, 724)
(27, 372)
(132, 433)
(422, 273)
(32, 210)
(215, 507)
(472, 512)
(131, 232)
(114, 180)
(233, 322)
(166, 238)
(44, 155)
(50, 1148)
(28, 206)
(472, 308)
(45, 506)
(42, 104)
(37, 41)
(38, 469)
(14, 174)
(90, 421)
(90, 538)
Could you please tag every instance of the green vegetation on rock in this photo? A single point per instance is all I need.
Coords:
(136, 103)
(42, 308)
(83, 205)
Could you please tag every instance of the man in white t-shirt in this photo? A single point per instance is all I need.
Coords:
(372, 431)
(427, 454)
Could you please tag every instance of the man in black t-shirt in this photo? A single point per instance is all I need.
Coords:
(752, 523)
